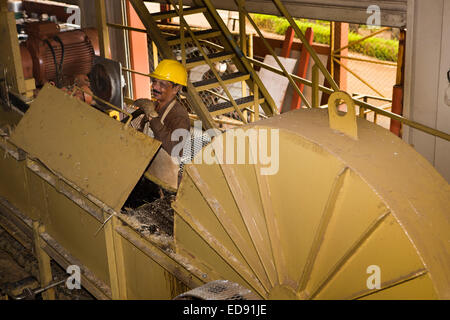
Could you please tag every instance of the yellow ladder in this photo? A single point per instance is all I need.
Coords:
(214, 45)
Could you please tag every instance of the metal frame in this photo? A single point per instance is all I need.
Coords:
(166, 52)
(360, 103)
(114, 229)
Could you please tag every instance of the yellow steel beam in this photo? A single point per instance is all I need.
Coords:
(393, 64)
(45, 270)
(153, 31)
(240, 61)
(363, 104)
(208, 61)
(173, 14)
(315, 86)
(332, 40)
(10, 57)
(243, 44)
(182, 39)
(201, 35)
(244, 107)
(4, 5)
(368, 96)
(256, 105)
(275, 56)
(136, 72)
(229, 121)
(295, 77)
(124, 27)
(360, 40)
(403, 120)
(358, 77)
(120, 26)
(224, 82)
(103, 34)
(306, 45)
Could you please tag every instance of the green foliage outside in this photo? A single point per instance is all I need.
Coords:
(379, 48)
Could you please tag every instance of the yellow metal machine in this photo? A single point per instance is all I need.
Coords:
(345, 203)
(340, 205)
(337, 206)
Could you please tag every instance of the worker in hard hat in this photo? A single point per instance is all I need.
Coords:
(164, 113)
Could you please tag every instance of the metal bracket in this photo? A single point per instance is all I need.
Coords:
(343, 123)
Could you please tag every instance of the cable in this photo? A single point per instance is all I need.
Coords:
(60, 73)
(58, 67)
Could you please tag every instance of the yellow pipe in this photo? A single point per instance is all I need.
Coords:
(136, 72)
(332, 35)
(403, 120)
(393, 64)
(362, 39)
(107, 103)
(359, 78)
(295, 77)
(183, 40)
(103, 35)
(123, 27)
(363, 104)
(208, 61)
(315, 86)
(272, 52)
(368, 96)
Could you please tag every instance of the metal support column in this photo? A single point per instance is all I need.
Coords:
(103, 34)
(243, 44)
(45, 270)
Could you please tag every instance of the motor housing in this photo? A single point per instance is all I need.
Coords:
(58, 56)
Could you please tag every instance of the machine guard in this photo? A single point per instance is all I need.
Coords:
(100, 155)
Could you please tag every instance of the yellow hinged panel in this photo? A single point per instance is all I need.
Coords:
(97, 153)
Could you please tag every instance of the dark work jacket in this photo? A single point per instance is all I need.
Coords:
(177, 118)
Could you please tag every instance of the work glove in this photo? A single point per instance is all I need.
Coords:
(146, 105)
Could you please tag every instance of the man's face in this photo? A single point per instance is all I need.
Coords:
(163, 90)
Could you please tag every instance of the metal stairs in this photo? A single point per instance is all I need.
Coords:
(214, 45)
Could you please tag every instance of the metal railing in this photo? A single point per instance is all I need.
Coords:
(364, 106)
(336, 58)
(182, 29)
(184, 24)
(359, 100)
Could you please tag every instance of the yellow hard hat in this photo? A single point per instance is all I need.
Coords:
(171, 70)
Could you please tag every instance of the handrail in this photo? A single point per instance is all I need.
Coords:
(282, 9)
(362, 104)
(368, 96)
(258, 86)
(182, 38)
(386, 63)
(361, 39)
(136, 72)
(275, 56)
(76, 88)
(295, 78)
(208, 61)
(357, 76)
